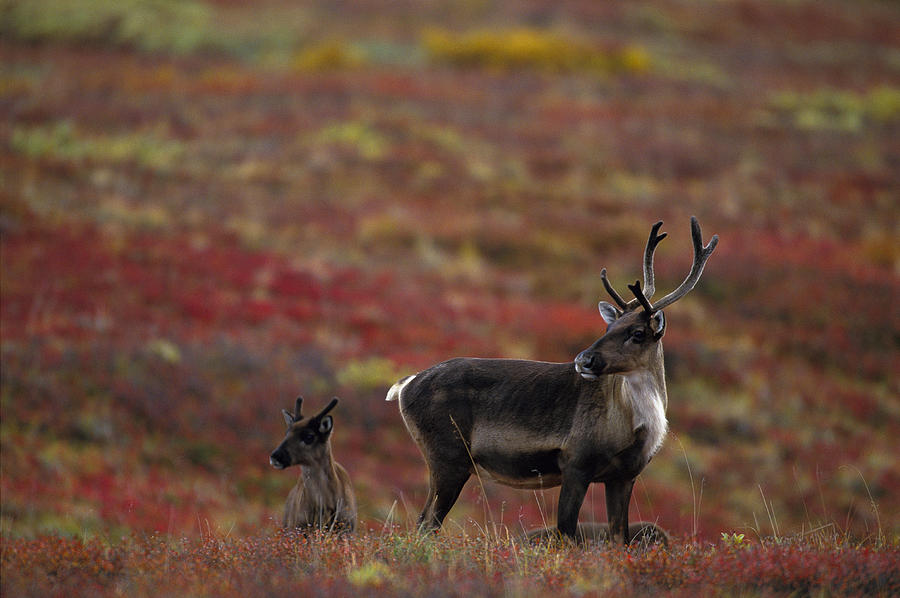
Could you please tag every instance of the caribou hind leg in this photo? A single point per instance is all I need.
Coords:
(443, 490)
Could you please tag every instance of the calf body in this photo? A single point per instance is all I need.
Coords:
(323, 499)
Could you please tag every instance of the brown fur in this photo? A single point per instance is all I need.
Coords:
(323, 497)
(527, 424)
(534, 424)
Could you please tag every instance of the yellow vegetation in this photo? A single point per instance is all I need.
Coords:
(330, 55)
(530, 49)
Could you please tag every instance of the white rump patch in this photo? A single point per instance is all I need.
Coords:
(394, 392)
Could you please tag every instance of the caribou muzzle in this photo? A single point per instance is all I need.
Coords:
(279, 459)
(588, 365)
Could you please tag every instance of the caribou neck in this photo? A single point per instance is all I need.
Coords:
(652, 378)
(645, 392)
(322, 476)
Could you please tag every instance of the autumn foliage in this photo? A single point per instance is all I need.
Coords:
(208, 208)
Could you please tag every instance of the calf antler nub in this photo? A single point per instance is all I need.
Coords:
(329, 407)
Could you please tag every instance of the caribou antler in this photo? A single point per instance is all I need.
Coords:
(652, 242)
(701, 254)
(649, 280)
(329, 407)
(642, 297)
(290, 418)
(612, 292)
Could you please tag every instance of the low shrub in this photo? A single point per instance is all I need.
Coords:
(169, 26)
(522, 49)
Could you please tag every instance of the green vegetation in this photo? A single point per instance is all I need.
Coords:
(361, 137)
(369, 374)
(171, 26)
(61, 141)
(834, 110)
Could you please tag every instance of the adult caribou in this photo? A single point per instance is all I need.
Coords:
(534, 424)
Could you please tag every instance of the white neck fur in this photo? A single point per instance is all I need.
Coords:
(648, 399)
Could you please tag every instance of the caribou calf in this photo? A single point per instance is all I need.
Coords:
(323, 497)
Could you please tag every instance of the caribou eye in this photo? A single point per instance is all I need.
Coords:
(307, 437)
(638, 336)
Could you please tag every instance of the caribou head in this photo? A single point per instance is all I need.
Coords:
(306, 442)
(635, 327)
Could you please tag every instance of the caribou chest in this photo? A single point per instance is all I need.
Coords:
(647, 394)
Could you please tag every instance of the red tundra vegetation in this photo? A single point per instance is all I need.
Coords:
(208, 209)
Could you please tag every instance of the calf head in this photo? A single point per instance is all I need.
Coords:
(306, 441)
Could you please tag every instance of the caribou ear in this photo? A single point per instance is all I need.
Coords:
(608, 312)
(326, 425)
(658, 325)
(288, 418)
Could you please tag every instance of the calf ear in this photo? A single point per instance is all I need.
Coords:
(325, 425)
(288, 418)
(608, 312)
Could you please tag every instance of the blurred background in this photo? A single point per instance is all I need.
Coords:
(210, 207)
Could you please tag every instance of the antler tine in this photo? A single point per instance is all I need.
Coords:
(652, 242)
(701, 254)
(297, 405)
(639, 295)
(612, 292)
(334, 401)
(649, 278)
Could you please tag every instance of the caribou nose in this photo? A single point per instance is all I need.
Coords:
(585, 360)
(275, 460)
(586, 365)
